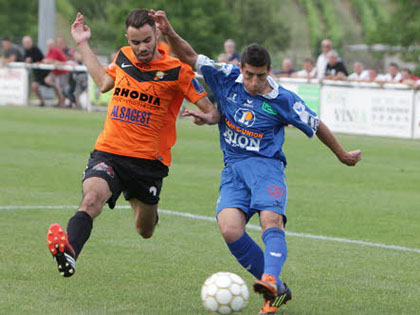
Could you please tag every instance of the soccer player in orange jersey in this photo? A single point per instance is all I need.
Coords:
(133, 152)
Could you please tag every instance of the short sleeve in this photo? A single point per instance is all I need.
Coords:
(190, 87)
(300, 115)
(216, 74)
(111, 69)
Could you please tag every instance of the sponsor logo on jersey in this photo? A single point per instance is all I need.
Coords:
(133, 94)
(268, 109)
(245, 117)
(232, 97)
(153, 190)
(309, 119)
(131, 115)
(238, 137)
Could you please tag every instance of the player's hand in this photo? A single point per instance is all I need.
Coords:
(350, 158)
(79, 31)
(162, 22)
(199, 118)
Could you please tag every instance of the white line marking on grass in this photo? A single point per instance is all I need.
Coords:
(249, 226)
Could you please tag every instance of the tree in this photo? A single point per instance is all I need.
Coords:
(18, 18)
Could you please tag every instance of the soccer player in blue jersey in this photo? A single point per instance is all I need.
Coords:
(254, 111)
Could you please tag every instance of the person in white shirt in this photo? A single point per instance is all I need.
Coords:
(393, 75)
(322, 61)
(308, 71)
(359, 73)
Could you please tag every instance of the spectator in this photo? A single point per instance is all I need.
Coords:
(78, 82)
(322, 61)
(373, 76)
(11, 52)
(393, 75)
(287, 69)
(223, 58)
(336, 70)
(34, 55)
(60, 78)
(230, 51)
(359, 73)
(62, 45)
(407, 77)
(308, 71)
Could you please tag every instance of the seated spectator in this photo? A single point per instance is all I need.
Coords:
(359, 73)
(407, 77)
(34, 55)
(11, 52)
(230, 50)
(373, 76)
(308, 71)
(393, 75)
(287, 69)
(322, 61)
(78, 82)
(57, 77)
(336, 70)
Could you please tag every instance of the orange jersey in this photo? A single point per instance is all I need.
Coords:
(144, 106)
(165, 47)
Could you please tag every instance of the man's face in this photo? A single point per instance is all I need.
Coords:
(6, 44)
(308, 66)
(358, 67)
(27, 42)
(393, 70)
(255, 78)
(143, 41)
(332, 60)
(229, 47)
(325, 46)
(372, 74)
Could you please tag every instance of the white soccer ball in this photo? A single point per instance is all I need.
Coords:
(224, 293)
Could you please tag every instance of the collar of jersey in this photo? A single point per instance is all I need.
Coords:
(275, 87)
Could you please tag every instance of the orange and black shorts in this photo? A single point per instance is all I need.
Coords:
(134, 177)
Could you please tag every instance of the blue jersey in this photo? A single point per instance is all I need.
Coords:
(253, 126)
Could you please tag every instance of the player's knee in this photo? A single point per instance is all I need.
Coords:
(230, 233)
(92, 203)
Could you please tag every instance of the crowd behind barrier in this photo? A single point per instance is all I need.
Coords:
(363, 102)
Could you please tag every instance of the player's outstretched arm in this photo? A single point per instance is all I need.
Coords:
(181, 48)
(326, 136)
(81, 35)
(208, 115)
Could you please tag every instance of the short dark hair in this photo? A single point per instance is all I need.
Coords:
(394, 64)
(255, 55)
(137, 18)
(309, 60)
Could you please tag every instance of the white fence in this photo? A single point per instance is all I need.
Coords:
(392, 110)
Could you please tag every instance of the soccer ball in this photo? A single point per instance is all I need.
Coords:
(224, 293)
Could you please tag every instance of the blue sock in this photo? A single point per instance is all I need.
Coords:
(275, 252)
(248, 254)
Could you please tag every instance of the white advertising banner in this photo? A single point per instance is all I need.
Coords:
(416, 122)
(369, 111)
(13, 86)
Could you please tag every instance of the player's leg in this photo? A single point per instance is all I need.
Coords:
(145, 217)
(232, 223)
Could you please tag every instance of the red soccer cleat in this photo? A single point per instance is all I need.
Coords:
(61, 250)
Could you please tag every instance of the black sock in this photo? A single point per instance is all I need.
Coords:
(78, 230)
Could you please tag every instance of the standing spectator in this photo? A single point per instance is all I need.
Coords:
(308, 71)
(336, 70)
(34, 55)
(230, 51)
(287, 69)
(393, 75)
(11, 52)
(359, 73)
(78, 82)
(322, 61)
(58, 77)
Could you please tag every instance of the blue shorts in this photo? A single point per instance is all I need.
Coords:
(253, 184)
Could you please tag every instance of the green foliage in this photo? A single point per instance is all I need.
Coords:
(314, 23)
(18, 18)
(368, 19)
(334, 30)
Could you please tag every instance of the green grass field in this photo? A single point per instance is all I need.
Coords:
(43, 154)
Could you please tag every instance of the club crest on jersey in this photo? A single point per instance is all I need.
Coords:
(159, 75)
(245, 117)
(268, 109)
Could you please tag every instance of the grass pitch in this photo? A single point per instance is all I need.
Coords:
(43, 154)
